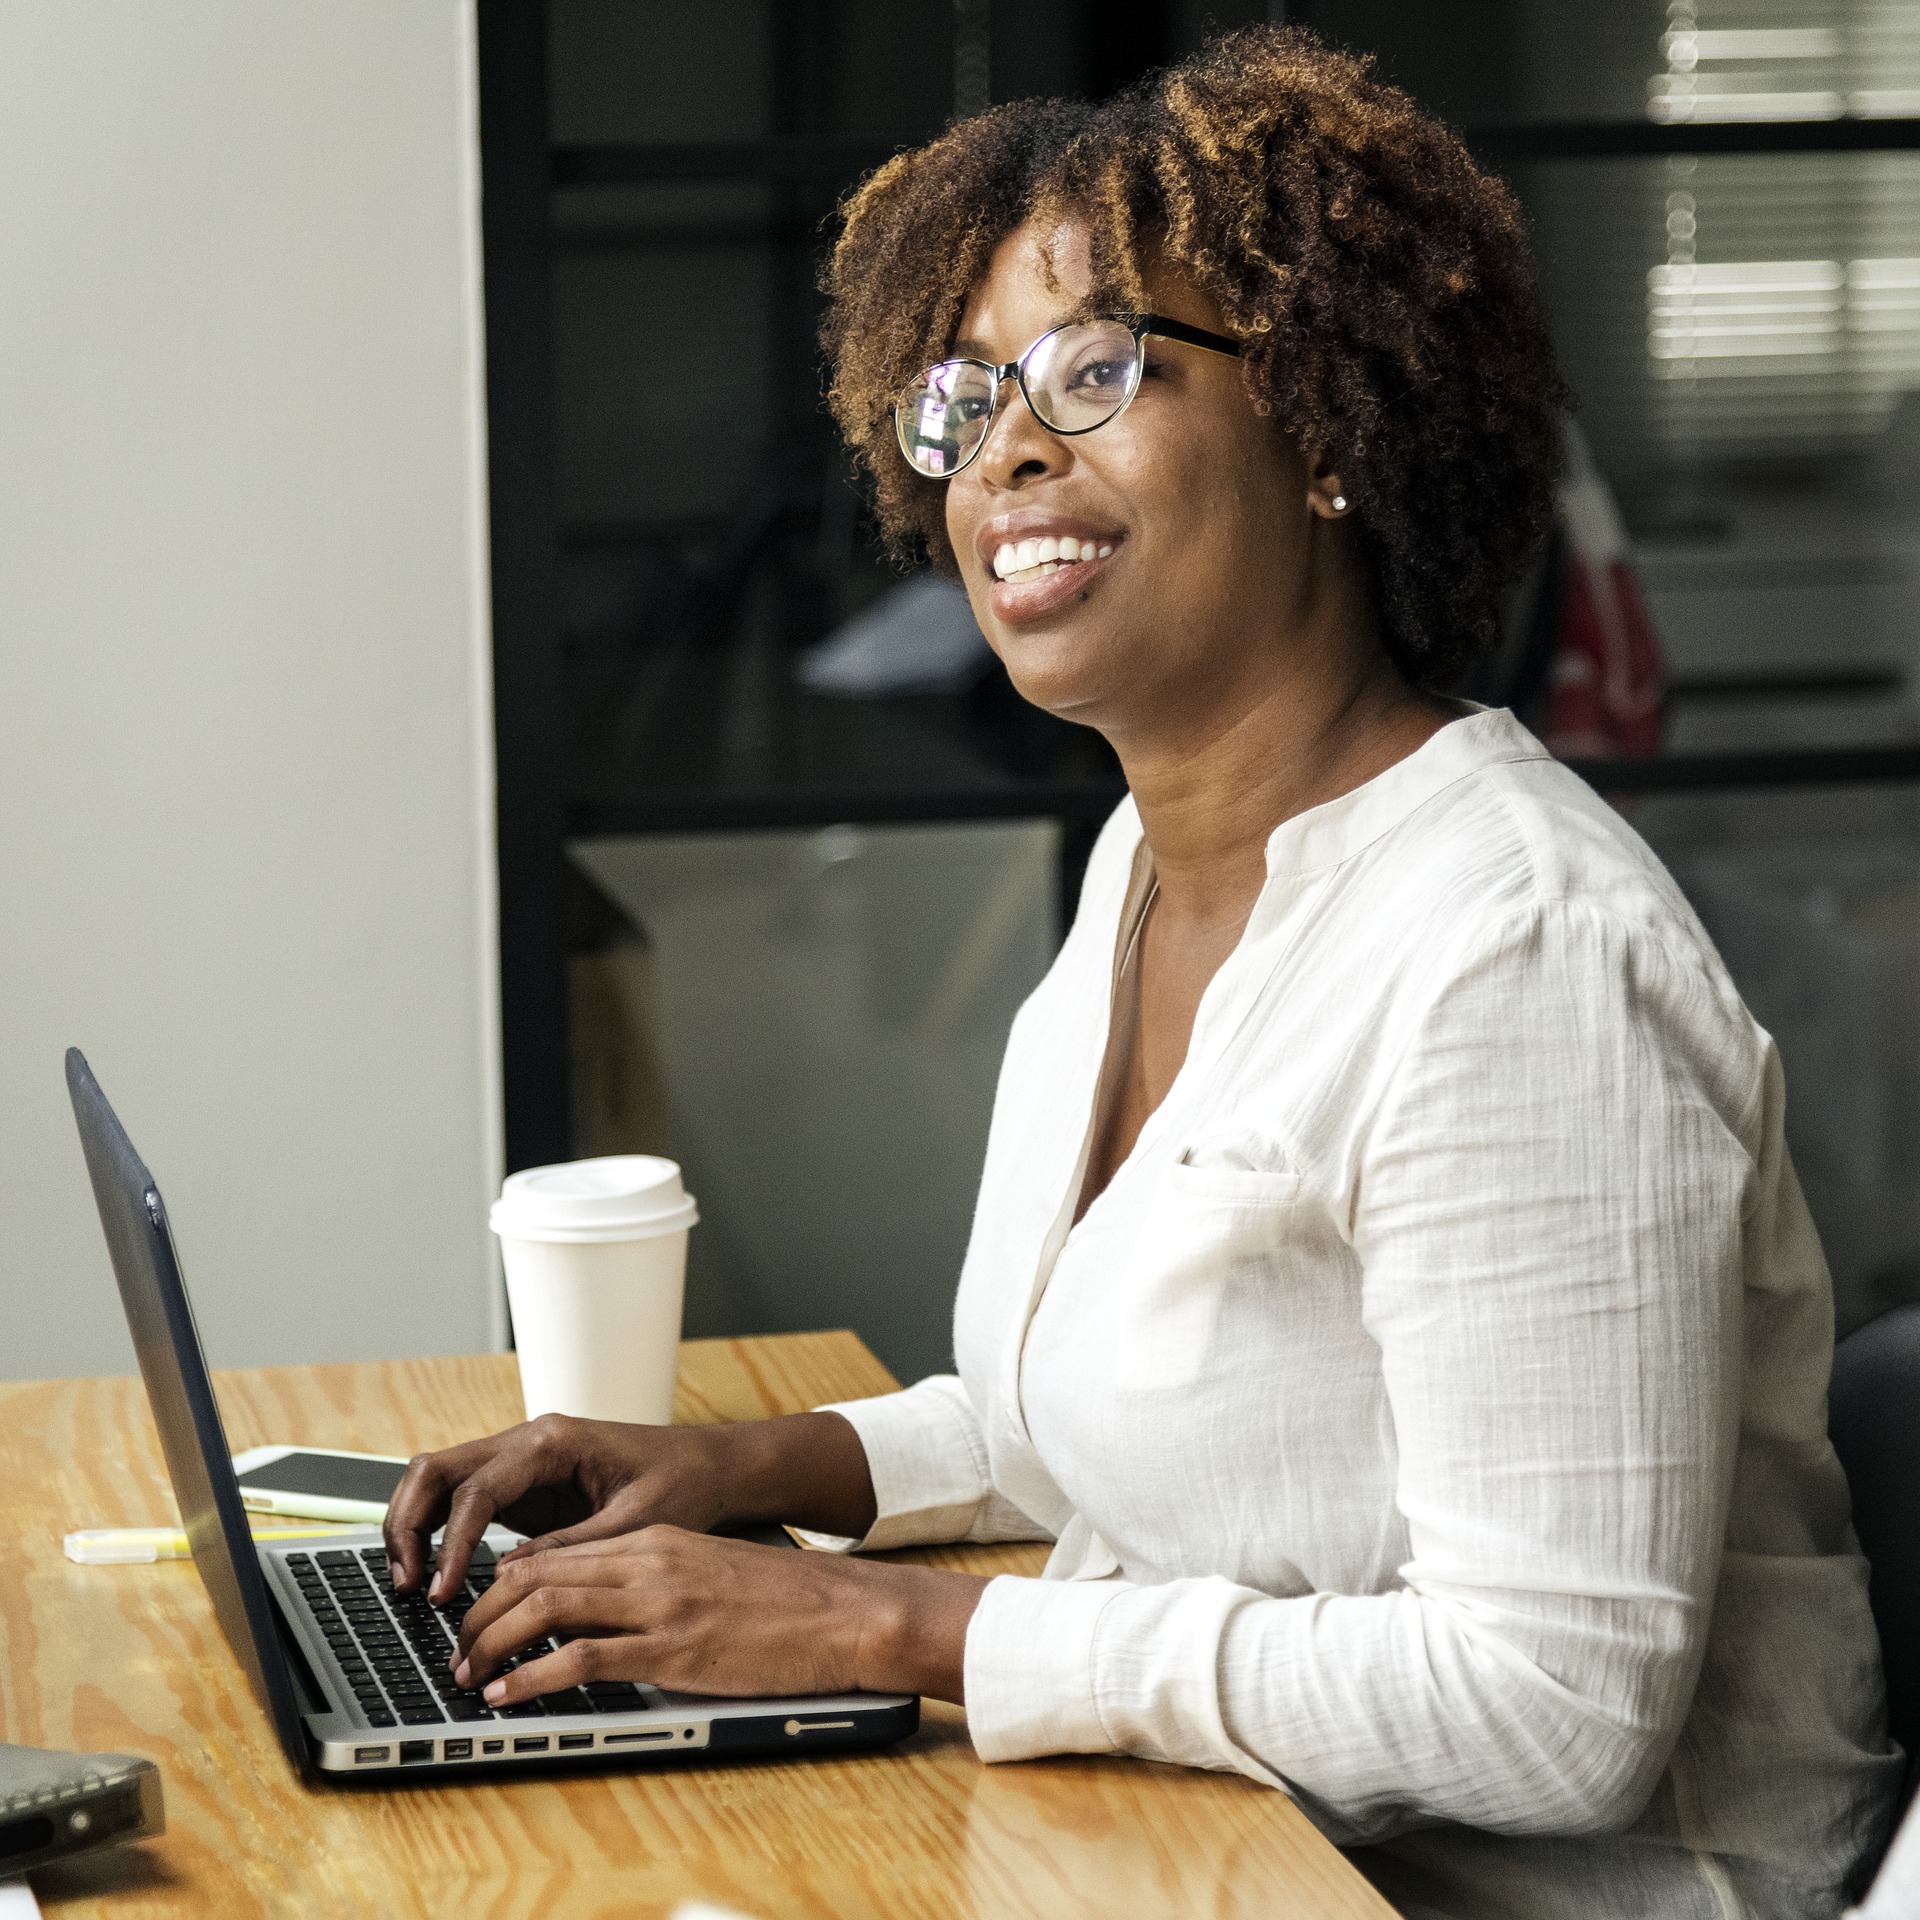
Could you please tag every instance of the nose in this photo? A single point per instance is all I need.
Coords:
(1018, 449)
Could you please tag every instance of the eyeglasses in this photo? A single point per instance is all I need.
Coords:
(1075, 378)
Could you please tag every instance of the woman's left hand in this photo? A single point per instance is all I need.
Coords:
(702, 1614)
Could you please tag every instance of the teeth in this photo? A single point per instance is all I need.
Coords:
(1034, 559)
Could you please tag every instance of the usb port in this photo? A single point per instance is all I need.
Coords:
(371, 1756)
(414, 1752)
(573, 1742)
(457, 1750)
(531, 1743)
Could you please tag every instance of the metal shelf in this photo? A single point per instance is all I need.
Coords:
(829, 163)
(1649, 139)
(1088, 802)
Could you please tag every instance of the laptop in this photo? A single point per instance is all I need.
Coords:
(353, 1677)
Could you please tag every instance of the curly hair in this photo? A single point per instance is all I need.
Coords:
(1379, 281)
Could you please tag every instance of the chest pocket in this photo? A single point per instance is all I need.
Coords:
(1199, 1232)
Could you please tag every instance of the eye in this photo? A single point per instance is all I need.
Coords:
(1104, 374)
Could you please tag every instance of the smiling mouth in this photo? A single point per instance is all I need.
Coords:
(1017, 562)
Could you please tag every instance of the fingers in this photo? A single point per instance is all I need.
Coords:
(592, 1611)
(419, 1504)
(609, 1655)
(677, 1609)
(496, 1489)
(594, 1565)
(610, 1523)
(468, 1487)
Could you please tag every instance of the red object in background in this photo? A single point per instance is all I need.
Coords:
(1608, 682)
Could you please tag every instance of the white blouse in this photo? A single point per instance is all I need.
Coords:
(1430, 1414)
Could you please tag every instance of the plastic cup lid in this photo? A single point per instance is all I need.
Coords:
(623, 1196)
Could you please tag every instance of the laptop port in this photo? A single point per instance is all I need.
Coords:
(634, 1739)
(573, 1742)
(371, 1756)
(413, 1752)
(457, 1750)
(531, 1743)
(493, 1746)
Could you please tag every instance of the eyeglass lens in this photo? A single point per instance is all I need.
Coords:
(1075, 378)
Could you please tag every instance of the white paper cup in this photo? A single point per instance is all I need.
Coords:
(596, 1260)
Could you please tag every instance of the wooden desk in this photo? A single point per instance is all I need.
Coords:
(129, 1658)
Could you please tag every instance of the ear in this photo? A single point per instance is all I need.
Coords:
(1326, 497)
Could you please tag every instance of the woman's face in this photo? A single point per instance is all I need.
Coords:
(1208, 510)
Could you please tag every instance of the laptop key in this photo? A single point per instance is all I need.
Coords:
(421, 1717)
(526, 1710)
(467, 1707)
(379, 1719)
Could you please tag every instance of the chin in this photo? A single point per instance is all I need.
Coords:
(1056, 677)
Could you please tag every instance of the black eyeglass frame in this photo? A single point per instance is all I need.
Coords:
(1141, 325)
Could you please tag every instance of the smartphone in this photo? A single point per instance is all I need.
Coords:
(318, 1483)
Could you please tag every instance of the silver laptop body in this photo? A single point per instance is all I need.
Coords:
(354, 1679)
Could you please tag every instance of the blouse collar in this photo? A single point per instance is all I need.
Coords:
(1324, 836)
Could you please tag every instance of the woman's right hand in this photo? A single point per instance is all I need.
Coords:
(562, 1481)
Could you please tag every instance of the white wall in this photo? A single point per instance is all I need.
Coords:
(245, 741)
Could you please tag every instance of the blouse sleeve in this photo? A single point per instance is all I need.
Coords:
(928, 1459)
(1547, 1206)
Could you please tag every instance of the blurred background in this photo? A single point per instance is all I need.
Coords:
(779, 853)
(1725, 199)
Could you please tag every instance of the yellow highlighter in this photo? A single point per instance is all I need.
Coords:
(136, 1546)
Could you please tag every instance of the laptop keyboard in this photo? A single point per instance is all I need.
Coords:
(393, 1651)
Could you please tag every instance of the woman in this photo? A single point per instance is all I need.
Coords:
(1388, 1285)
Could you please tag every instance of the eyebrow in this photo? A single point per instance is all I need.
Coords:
(978, 350)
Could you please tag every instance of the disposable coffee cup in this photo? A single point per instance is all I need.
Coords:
(596, 1260)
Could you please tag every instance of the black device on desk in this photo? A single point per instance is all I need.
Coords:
(56, 1804)
(353, 1676)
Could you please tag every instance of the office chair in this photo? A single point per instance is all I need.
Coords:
(1873, 1418)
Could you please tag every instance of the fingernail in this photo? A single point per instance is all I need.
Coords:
(439, 1581)
(496, 1691)
(464, 1674)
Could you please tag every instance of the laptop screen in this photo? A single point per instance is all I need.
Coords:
(160, 1318)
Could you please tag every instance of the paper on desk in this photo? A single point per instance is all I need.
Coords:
(686, 1910)
(17, 1901)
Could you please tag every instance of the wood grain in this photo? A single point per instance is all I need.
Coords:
(129, 1658)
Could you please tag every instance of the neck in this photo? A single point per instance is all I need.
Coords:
(1212, 784)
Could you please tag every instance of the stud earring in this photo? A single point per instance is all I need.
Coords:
(1339, 503)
